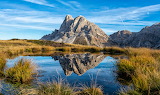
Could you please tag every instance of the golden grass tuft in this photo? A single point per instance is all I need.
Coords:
(21, 72)
(2, 66)
(143, 68)
(55, 88)
(90, 91)
(114, 50)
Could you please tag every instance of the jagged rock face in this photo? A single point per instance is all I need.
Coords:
(147, 37)
(120, 38)
(78, 31)
(78, 63)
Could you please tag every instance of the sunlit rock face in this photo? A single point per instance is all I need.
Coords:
(78, 31)
(78, 63)
(147, 37)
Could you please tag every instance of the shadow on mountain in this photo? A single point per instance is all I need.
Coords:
(78, 63)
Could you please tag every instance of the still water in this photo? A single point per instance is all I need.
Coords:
(77, 69)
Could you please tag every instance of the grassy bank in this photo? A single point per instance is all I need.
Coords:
(13, 47)
(141, 70)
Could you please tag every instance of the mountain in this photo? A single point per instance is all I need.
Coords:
(120, 38)
(78, 31)
(79, 63)
(147, 37)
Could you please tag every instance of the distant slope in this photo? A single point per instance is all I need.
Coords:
(24, 42)
(147, 37)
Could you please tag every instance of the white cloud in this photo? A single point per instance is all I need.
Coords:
(40, 2)
(28, 26)
(31, 19)
(75, 3)
(72, 4)
(125, 16)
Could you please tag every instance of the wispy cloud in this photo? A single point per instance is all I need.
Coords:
(72, 4)
(126, 16)
(39, 20)
(109, 31)
(40, 2)
(27, 26)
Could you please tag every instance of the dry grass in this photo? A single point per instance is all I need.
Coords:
(55, 89)
(2, 66)
(114, 50)
(143, 68)
(13, 47)
(22, 71)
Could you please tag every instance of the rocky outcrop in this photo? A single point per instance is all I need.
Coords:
(78, 31)
(78, 63)
(147, 37)
(120, 38)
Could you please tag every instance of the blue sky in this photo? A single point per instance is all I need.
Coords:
(31, 19)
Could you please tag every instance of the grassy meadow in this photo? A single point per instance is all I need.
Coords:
(139, 70)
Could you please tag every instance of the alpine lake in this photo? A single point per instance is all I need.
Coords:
(77, 69)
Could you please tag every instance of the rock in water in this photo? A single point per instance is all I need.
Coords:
(78, 31)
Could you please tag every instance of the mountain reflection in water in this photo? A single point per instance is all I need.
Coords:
(77, 69)
(78, 63)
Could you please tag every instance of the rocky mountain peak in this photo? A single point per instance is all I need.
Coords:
(79, 31)
(119, 38)
(157, 24)
(122, 32)
(68, 17)
(154, 29)
(147, 37)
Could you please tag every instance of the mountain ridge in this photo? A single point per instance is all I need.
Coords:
(81, 31)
